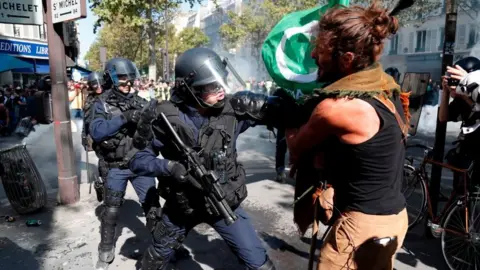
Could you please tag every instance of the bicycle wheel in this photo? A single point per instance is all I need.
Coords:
(461, 249)
(414, 190)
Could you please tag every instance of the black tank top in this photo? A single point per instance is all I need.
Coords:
(368, 177)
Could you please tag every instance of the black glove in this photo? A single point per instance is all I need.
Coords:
(178, 172)
(132, 116)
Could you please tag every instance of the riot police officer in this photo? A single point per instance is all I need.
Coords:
(394, 72)
(95, 89)
(116, 112)
(210, 122)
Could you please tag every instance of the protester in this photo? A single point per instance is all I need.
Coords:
(461, 109)
(359, 125)
(4, 120)
(75, 97)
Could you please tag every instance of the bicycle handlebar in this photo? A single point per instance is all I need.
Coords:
(420, 146)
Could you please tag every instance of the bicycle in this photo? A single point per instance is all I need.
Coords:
(461, 203)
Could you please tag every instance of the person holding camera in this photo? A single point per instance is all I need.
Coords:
(461, 108)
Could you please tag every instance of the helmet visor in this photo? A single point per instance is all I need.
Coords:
(211, 77)
(123, 76)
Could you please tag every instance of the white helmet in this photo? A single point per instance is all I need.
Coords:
(470, 86)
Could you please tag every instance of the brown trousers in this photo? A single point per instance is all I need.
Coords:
(350, 245)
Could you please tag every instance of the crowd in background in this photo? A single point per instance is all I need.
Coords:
(17, 102)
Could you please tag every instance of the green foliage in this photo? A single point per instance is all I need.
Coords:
(190, 37)
(134, 45)
(134, 12)
(120, 40)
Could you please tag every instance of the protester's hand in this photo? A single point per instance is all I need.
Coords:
(132, 116)
(457, 72)
(178, 172)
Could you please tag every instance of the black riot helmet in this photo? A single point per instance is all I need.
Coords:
(94, 80)
(469, 64)
(199, 71)
(120, 72)
(393, 71)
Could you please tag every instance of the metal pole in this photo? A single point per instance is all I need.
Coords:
(440, 132)
(68, 187)
(167, 73)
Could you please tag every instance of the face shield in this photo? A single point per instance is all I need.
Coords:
(124, 75)
(95, 84)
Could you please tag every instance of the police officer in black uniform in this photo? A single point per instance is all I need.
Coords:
(95, 84)
(395, 73)
(209, 122)
(115, 114)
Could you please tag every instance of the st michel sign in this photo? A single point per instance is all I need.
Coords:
(21, 12)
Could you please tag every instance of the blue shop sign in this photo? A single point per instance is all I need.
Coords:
(23, 48)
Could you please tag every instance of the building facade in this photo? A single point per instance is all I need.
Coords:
(418, 47)
(27, 44)
(212, 17)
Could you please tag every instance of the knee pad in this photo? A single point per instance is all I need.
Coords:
(167, 236)
(113, 198)
(110, 214)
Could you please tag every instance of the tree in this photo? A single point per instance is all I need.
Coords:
(190, 37)
(147, 14)
(112, 37)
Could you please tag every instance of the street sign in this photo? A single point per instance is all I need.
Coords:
(68, 10)
(21, 12)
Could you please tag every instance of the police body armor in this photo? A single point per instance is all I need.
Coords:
(216, 145)
(88, 113)
(114, 149)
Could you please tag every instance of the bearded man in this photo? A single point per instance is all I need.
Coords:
(359, 126)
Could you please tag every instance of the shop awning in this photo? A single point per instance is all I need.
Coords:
(43, 66)
(8, 62)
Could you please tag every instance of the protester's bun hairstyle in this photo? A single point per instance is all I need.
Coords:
(358, 30)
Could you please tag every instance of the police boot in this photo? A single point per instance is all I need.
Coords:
(268, 265)
(106, 248)
(281, 176)
(153, 261)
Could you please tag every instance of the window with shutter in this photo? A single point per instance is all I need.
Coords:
(400, 43)
(428, 34)
(27, 33)
(472, 35)
(442, 38)
(410, 42)
(461, 35)
(433, 42)
(16, 30)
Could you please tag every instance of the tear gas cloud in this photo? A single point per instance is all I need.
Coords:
(428, 122)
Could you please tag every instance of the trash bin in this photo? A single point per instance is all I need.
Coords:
(21, 180)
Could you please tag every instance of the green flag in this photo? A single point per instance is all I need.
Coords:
(287, 50)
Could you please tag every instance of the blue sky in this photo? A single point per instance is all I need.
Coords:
(86, 29)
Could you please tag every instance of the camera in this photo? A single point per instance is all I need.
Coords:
(452, 82)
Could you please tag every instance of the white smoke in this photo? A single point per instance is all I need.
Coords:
(428, 122)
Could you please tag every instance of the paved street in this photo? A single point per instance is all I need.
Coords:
(68, 237)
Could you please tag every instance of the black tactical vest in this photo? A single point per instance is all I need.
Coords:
(88, 114)
(116, 147)
(216, 141)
